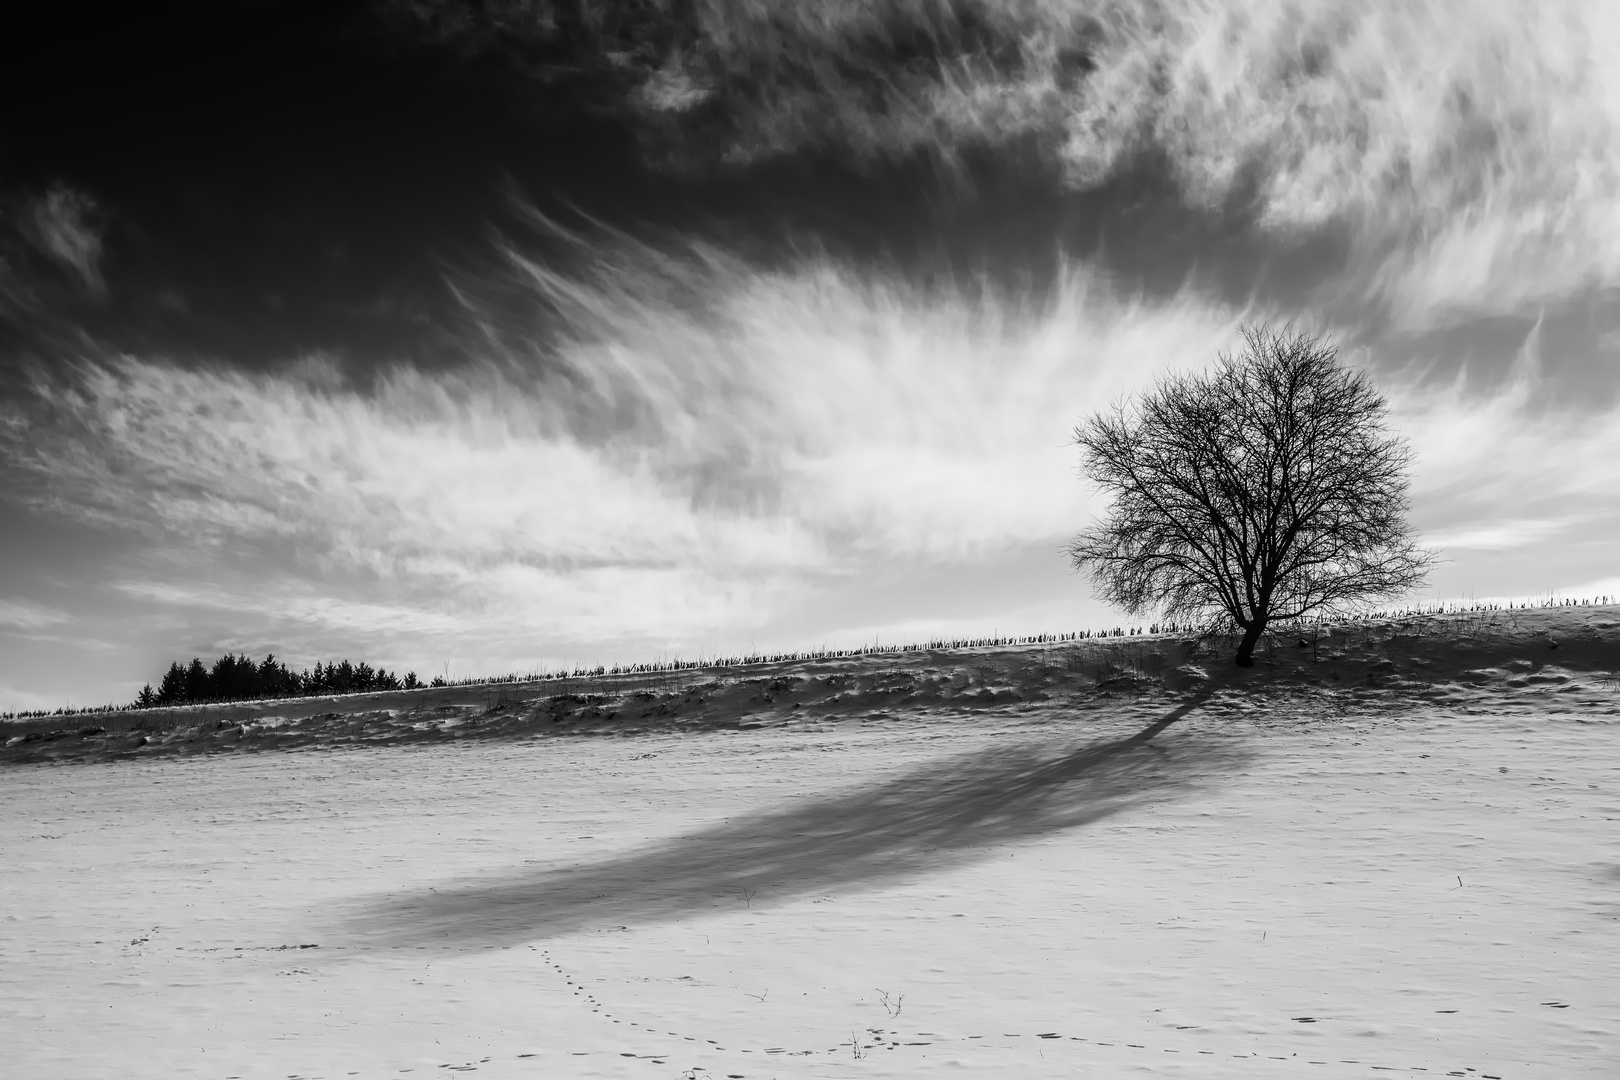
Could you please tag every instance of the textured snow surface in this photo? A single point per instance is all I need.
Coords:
(1281, 888)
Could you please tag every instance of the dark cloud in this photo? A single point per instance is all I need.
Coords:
(50, 245)
(280, 178)
(51, 276)
(63, 225)
(286, 177)
(728, 83)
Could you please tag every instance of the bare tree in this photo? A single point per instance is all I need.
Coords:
(1266, 490)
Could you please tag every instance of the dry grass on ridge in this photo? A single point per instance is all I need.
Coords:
(1561, 660)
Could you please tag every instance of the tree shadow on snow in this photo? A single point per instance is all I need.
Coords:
(941, 814)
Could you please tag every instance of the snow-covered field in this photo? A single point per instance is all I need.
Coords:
(1275, 884)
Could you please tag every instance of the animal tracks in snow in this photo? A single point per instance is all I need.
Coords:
(885, 1039)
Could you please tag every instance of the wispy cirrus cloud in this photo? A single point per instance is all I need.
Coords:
(1467, 152)
(1502, 535)
(1503, 462)
(698, 448)
(50, 252)
(27, 616)
(64, 225)
(695, 450)
(1471, 150)
(703, 444)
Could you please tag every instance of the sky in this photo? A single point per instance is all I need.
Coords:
(467, 338)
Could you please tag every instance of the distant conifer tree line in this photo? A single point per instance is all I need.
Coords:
(238, 678)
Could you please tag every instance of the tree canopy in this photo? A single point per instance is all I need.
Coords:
(237, 678)
(1265, 490)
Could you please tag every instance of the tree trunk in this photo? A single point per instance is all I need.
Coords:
(1251, 638)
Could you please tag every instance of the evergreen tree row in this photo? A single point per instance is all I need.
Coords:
(237, 678)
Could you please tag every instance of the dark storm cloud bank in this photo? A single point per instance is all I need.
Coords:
(925, 139)
(926, 820)
(712, 84)
(279, 179)
(1402, 164)
(286, 178)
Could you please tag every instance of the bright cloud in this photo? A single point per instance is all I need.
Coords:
(1473, 149)
(695, 451)
(1468, 150)
(26, 616)
(699, 450)
(1500, 536)
(670, 469)
(1499, 468)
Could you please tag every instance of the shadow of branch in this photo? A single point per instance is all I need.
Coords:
(932, 817)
